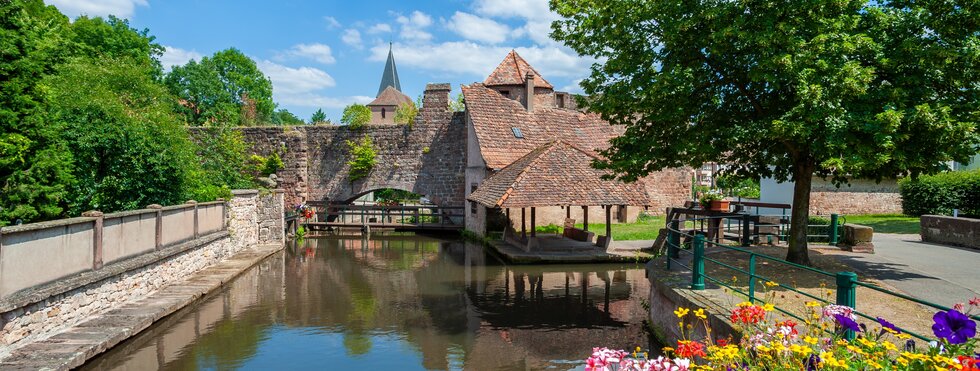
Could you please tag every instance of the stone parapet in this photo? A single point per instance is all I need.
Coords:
(951, 231)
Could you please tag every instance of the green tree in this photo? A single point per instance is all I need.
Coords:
(226, 88)
(114, 38)
(356, 115)
(789, 90)
(457, 104)
(405, 114)
(318, 116)
(130, 148)
(283, 117)
(34, 164)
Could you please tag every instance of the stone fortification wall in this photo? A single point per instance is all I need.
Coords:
(951, 231)
(39, 311)
(427, 158)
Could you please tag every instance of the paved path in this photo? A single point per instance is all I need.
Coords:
(937, 273)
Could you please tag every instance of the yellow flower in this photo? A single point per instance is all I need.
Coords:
(889, 346)
(667, 349)
(700, 314)
(830, 292)
(874, 364)
(810, 340)
(769, 307)
(904, 336)
(638, 349)
(771, 284)
(902, 361)
(812, 304)
(744, 304)
(681, 312)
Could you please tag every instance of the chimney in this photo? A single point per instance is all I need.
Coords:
(436, 97)
(529, 95)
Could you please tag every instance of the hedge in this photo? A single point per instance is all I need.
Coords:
(941, 193)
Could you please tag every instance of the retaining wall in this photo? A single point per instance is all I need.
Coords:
(949, 230)
(57, 273)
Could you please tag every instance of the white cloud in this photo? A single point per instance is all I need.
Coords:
(413, 26)
(379, 28)
(321, 101)
(119, 8)
(575, 87)
(353, 38)
(316, 51)
(469, 58)
(302, 86)
(477, 28)
(527, 9)
(331, 22)
(173, 56)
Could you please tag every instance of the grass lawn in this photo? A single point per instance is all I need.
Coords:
(645, 228)
(887, 223)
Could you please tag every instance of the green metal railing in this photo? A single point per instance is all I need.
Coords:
(846, 282)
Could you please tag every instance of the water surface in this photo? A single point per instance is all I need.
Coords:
(402, 302)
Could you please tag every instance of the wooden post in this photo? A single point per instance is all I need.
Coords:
(608, 221)
(585, 218)
(568, 212)
(523, 224)
(533, 232)
(159, 234)
(96, 237)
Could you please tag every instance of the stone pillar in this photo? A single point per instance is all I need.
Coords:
(196, 228)
(159, 230)
(529, 95)
(96, 237)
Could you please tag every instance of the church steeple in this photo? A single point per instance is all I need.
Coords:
(390, 75)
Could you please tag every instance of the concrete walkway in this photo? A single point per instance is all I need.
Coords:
(941, 274)
(72, 347)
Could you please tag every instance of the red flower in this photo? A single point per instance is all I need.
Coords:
(748, 314)
(722, 342)
(969, 363)
(689, 349)
(791, 324)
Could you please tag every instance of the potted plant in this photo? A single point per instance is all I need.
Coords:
(714, 201)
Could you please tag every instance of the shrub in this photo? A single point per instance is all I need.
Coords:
(941, 193)
(356, 115)
(362, 158)
(405, 114)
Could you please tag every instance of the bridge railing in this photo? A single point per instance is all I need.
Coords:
(388, 215)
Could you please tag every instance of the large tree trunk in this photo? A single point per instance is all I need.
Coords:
(803, 177)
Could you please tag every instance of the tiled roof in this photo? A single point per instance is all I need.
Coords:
(390, 97)
(556, 174)
(494, 116)
(512, 71)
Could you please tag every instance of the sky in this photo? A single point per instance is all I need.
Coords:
(328, 54)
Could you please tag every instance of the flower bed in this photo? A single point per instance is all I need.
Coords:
(817, 342)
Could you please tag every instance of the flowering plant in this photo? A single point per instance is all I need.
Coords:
(304, 210)
(816, 343)
(712, 195)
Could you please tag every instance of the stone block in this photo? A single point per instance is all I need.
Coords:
(949, 230)
(857, 238)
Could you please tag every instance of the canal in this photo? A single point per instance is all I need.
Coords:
(399, 302)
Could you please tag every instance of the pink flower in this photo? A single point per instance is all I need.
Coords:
(958, 307)
(975, 302)
(832, 310)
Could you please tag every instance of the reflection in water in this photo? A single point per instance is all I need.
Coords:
(405, 302)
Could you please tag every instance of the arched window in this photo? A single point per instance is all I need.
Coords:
(382, 112)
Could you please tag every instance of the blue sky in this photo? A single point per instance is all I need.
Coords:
(327, 54)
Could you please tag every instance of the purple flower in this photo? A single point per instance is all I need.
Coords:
(888, 325)
(847, 322)
(953, 326)
(812, 362)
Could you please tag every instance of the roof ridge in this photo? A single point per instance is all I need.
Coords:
(537, 153)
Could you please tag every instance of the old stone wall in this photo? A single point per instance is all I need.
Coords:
(427, 158)
(858, 197)
(38, 312)
(668, 188)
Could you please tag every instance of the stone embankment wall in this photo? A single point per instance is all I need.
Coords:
(55, 274)
(949, 230)
(427, 158)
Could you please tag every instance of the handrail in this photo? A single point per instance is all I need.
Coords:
(846, 282)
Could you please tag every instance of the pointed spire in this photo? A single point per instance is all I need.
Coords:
(390, 75)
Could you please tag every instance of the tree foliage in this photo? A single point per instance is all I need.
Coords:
(356, 115)
(114, 38)
(225, 88)
(783, 90)
(282, 117)
(362, 158)
(405, 114)
(318, 116)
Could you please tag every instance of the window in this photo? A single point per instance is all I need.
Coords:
(505, 93)
(382, 112)
(517, 132)
(473, 207)
(561, 100)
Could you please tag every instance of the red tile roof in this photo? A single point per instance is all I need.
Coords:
(513, 71)
(556, 174)
(390, 97)
(494, 116)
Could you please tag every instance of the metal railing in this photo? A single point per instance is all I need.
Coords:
(388, 215)
(846, 282)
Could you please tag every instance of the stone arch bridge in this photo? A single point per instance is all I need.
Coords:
(428, 158)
